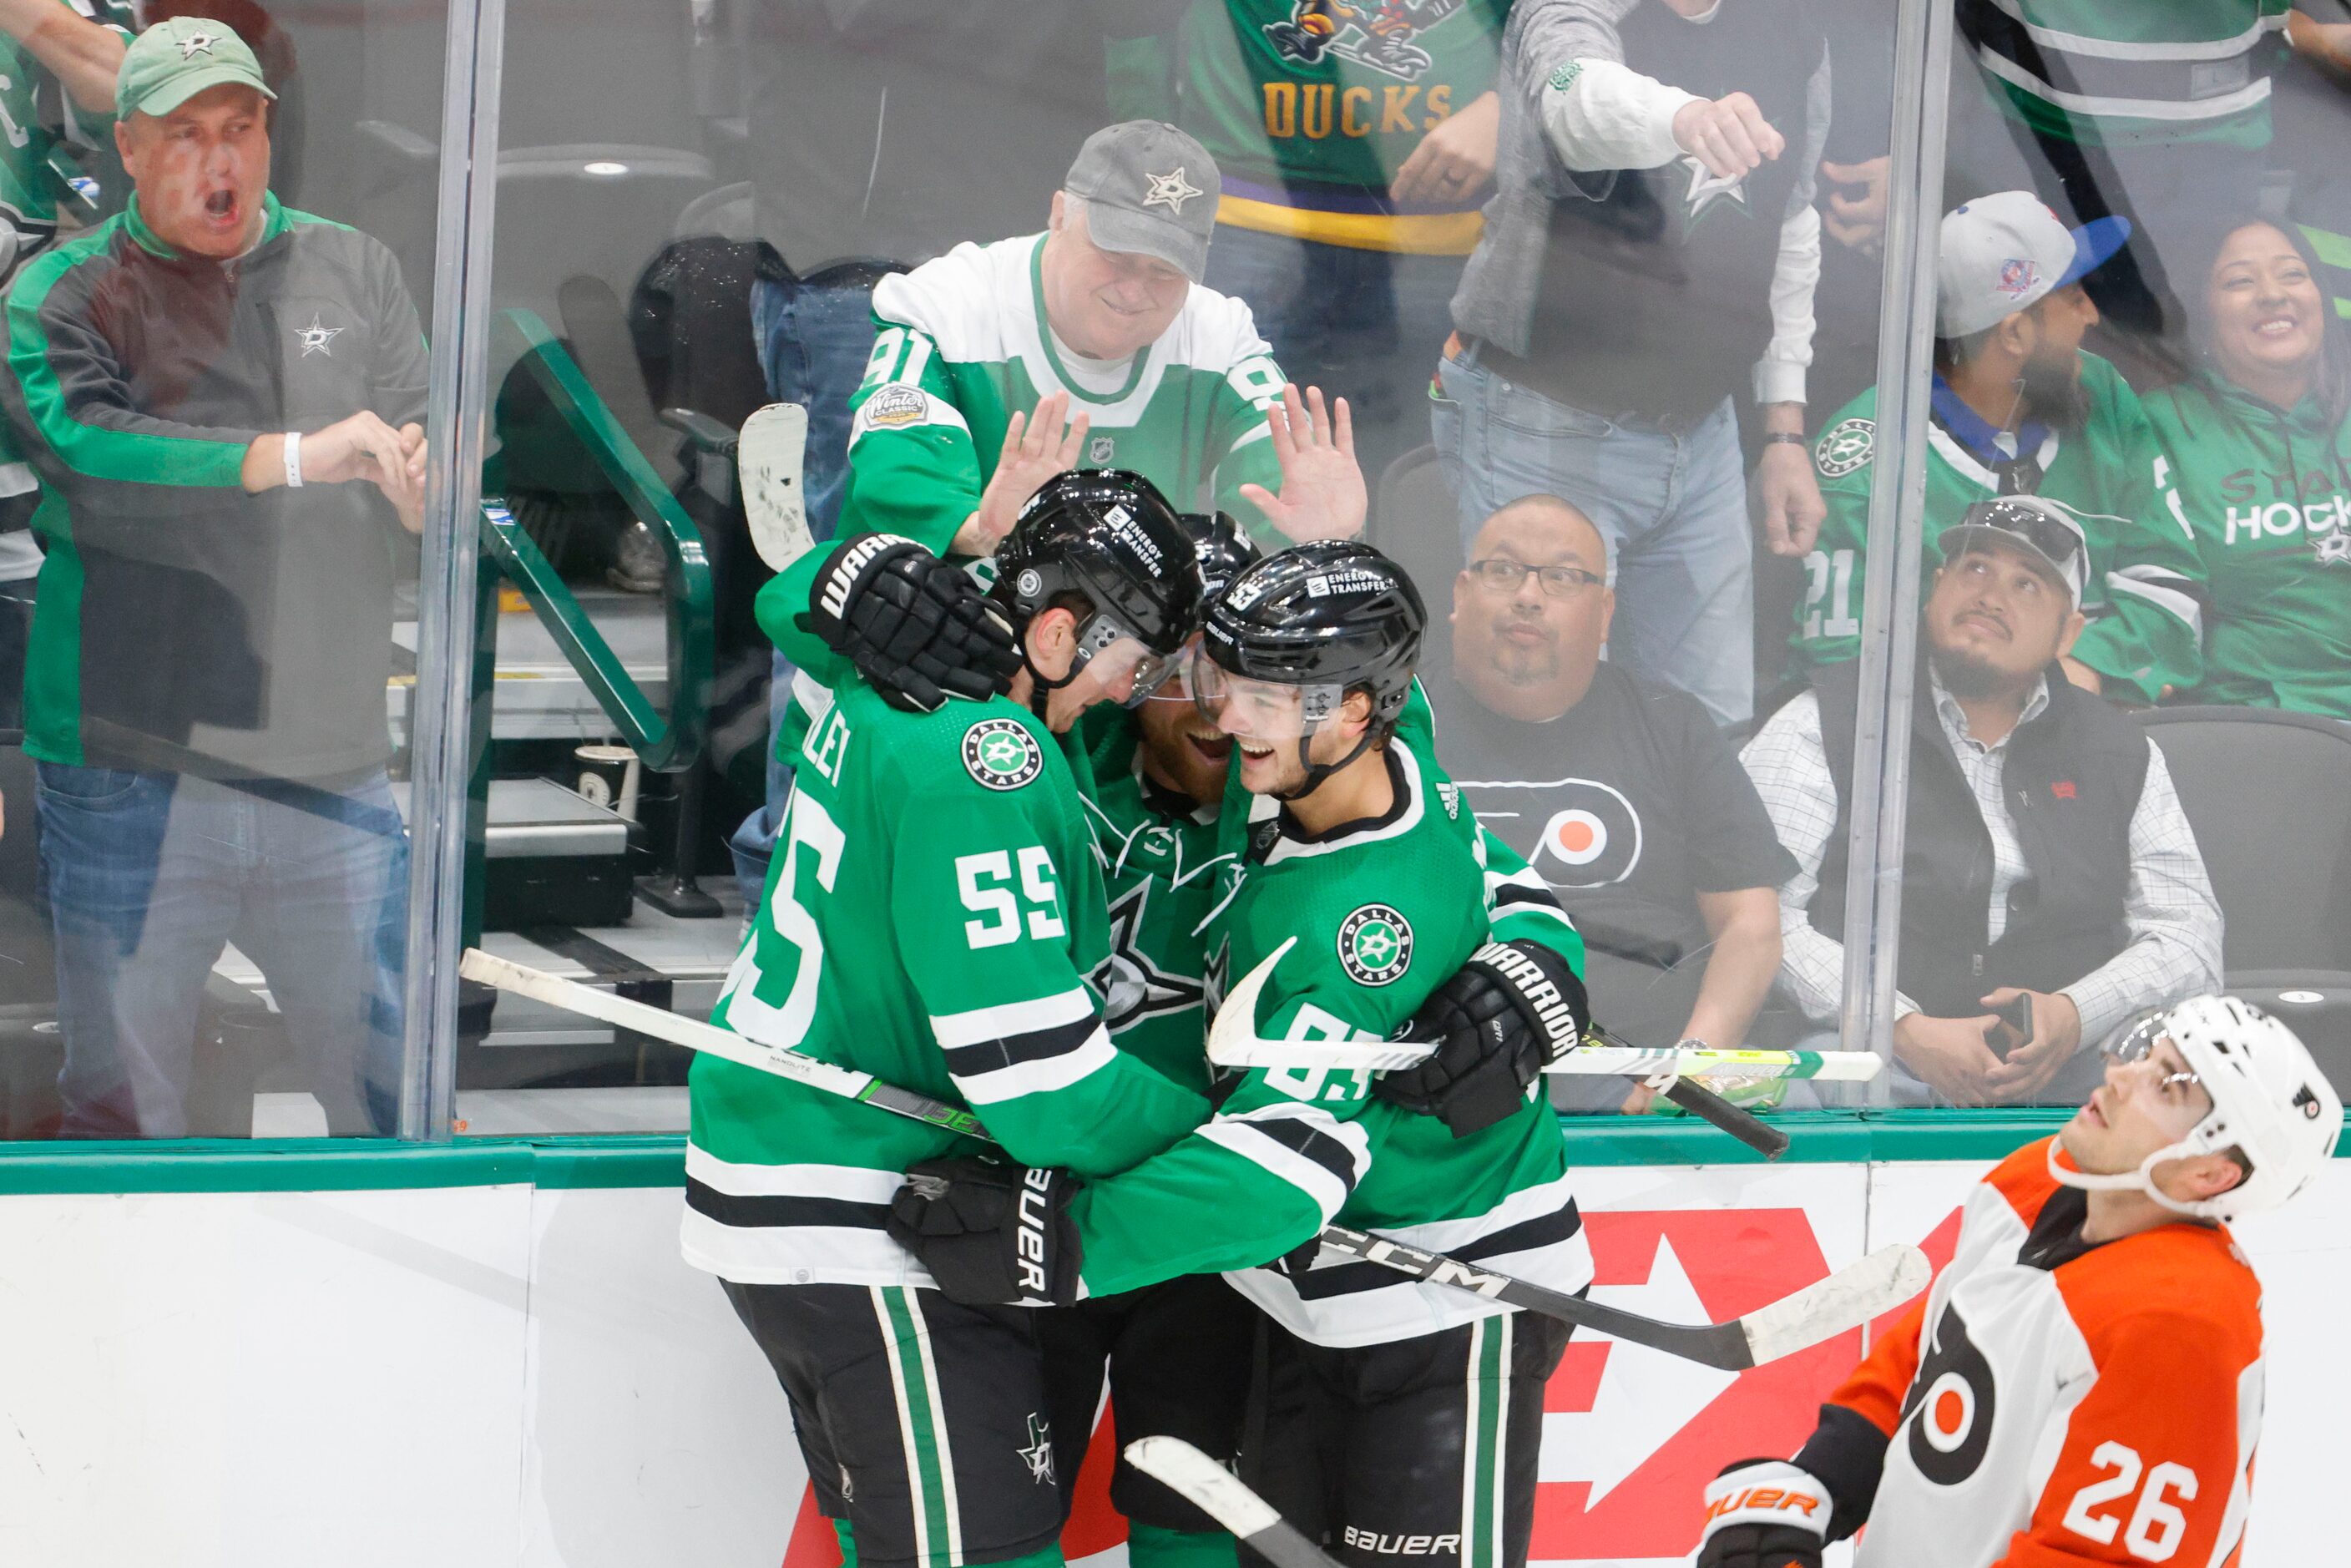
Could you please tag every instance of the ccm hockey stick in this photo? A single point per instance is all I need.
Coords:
(1826, 1308)
(1234, 1042)
(1225, 1498)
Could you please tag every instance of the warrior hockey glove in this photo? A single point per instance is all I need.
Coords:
(1512, 1008)
(1764, 1513)
(919, 629)
(992, 1234)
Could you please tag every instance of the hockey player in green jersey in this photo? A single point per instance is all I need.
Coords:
(2018, 407)
(1356, 855)
(931, 917)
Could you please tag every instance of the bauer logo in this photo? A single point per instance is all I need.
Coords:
(1400, 1545)
(1374, 944)
(1001, 754)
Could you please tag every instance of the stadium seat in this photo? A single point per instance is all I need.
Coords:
(1415, 525)
(2263, 791)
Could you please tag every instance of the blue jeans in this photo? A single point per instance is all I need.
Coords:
(1671, 505)
(814, 340)
(148, 875)
(1366, 325)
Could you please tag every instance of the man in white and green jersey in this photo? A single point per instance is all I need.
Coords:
(2018, 407)
(57, 65)
(931, 917)
(1354, 853)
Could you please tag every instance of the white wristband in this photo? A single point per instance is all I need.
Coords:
(293, 459)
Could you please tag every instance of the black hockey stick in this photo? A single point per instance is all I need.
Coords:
(1845, 1300)
(1225, 1498)
(1696, 1098)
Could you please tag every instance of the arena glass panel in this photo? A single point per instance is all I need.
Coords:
(221, 281)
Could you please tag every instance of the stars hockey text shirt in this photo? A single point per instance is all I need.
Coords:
(2052, 1402)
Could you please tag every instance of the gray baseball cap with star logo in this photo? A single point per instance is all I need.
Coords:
(1149, 188)
(177, 58)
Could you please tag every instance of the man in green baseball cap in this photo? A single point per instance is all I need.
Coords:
(192, 123)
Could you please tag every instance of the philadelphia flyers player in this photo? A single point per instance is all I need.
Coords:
(2083, 1385)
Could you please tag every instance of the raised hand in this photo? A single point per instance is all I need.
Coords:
(1728, 134)
(1323, 495)
(1035, 449)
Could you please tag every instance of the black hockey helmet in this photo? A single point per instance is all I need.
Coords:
(1110, 537)
(1329, 617)
(1224, 549)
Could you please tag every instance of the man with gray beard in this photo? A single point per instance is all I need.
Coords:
(1618, 789)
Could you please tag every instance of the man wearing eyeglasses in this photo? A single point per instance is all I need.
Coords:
(1619, 790)
(2051, 885)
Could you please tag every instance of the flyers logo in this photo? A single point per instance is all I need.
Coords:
(1953, 1401)
(1575, 833)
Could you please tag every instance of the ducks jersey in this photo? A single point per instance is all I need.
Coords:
(2052, 1402)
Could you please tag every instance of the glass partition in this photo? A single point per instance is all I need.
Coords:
(219, 263)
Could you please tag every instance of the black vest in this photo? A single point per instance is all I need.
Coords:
(2071, 778)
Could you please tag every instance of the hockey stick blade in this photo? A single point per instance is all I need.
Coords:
(768, 457)
(709, 1039)
(1822, 1310)
(1225, 1498)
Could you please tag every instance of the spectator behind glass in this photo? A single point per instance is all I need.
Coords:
(1356, 145)
(2045, 858)
(2019, 408)
(2260, 442)
(1652, 242)
(206, 695)
(1619, 791)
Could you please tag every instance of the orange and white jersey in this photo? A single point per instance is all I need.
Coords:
(2064, 1403)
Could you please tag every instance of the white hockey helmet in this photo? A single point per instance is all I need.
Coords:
(2270, 1101)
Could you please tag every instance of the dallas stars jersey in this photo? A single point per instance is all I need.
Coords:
(1382, 912)
(2118, 72)
(2052, 1402)
(2145, 581)
(1311, 106)
(2269, 495)
(930, 916)
(962, 343)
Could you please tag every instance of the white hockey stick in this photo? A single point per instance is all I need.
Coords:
(769, 457)
(1225, 1498)
(1845, 1300)
(1233, 1041)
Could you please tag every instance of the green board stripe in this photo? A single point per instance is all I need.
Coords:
(657, 1160)
(926, 1471)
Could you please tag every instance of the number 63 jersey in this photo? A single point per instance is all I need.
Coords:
(932, 911)
(2054, 1402)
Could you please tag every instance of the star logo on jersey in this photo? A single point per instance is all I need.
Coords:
(318, 338)
(2331, 548)
(1133, 985)
(1039, 1451)
(1000, 754)
(1374, 944)
(195, 44)
(1846, 446)
(1707, 188)
(1170, 190)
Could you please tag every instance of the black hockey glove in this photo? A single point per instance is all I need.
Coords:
(1764, 1513)
(916, 627)
(1513, 1007)
(992, 1234)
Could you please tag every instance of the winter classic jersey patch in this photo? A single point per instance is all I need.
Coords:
(1844, 447)
(1001, 754)
(1374, 944)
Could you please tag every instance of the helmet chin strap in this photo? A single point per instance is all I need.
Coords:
(2141, 1180)
(1316, 772)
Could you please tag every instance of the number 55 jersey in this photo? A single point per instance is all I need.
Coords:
(931, 912)
(2054, 1402)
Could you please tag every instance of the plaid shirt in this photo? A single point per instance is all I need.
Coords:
(2174, 950)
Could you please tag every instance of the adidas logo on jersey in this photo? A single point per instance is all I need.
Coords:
(1403, 1545)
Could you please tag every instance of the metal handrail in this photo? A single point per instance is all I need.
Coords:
(670, 746)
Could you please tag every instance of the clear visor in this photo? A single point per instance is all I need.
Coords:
(1120, 662)
(1258, 710)
(2138, 1044)
(1174, 683)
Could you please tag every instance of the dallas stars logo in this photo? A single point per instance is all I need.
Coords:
(195, 44)
(1170, 190)
(1133, 985)
(1001, 755)
(2332, 549)
(1707, 188)
(1039, 1451)
(1374, 944)
(318, 338)
(1845, 447)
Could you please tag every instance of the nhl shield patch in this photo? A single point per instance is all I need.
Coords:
(1001, 754)
(1846, 446)
(1374, 944)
